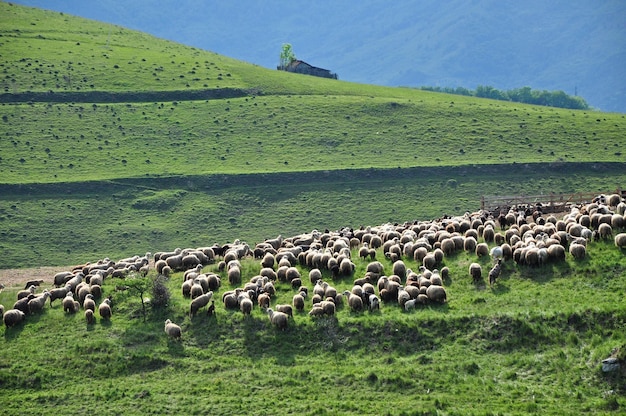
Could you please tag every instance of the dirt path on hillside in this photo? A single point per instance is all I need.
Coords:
(18, 277)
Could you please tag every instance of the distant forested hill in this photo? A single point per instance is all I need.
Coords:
(577, 47)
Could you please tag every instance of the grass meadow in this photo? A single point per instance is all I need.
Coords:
(81, 180)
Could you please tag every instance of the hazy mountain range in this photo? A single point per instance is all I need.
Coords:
(576, 46)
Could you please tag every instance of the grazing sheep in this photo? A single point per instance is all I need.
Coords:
(410, 304)
(196, 289)
(578, 251)
(35, 283)
(316, 311)
(445, 273)
(245, 304)
(298, 301)
(90, 317)
(496, 253)
(436, 293)
(28, 291)
(105, 309)
(200, 302)
(494, 273)
(1, 311)
(605, 231)
(620, 240)
(279, 319)
(315, 275)
(354, 301)
(36, 304)
(61, 278)
(69, 305)
(373, 302)
(172, 330)
(476, 271)
(328, 307)
(482, 249)
(89, 303)
(429, 261)
(13, 317)
(286, 309)
(234, 275)
(399, 269)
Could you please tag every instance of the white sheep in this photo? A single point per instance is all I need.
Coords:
(105, 309)
(199, 302)
(13, 317)
(279, 319)
(172, 330)
(620, 240)
(90, 317)
(89, 303)
(36, 304)
(245, 304)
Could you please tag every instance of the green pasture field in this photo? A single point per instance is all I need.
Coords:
(83, 180)
(532, 344)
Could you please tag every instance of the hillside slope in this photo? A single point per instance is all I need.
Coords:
(262, 152)
(577, 48)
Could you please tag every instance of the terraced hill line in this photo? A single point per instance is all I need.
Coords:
(127, 96)
(221, 181)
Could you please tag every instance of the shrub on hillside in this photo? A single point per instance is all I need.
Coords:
(160, 292)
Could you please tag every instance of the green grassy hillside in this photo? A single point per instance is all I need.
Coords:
(280, 122)
(83, 180)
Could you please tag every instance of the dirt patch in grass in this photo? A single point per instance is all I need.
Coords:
(18, 277)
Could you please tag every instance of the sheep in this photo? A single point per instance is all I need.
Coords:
(373, 302)
(494, 273)
(286, 309)
(620, 240)
(475, 270)
(279, 319)
(199, 302)
(234, 275)
(328, 307)
(578, 251)
(399, 268)
(36, 304)
(268, 260)
(28, 291)
(315, 275)
(496, 253)
(172, 330)
(316, 311)
(13, 317)
(196, 289)
(245, 304)
(1, 311)
(61, 278)
(35, 283)
(89, 303)
(68, 303)
(429, 261)
(105, 309)
(482, 249)
(410, 304)
(436, 293)
(605, 231)
(90, 317)
(263, 300)
(354, 301)
(298, 301)
(346, 267)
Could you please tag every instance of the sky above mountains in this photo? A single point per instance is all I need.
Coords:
(575, 46)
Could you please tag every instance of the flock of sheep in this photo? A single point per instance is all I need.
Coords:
(523, 235)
